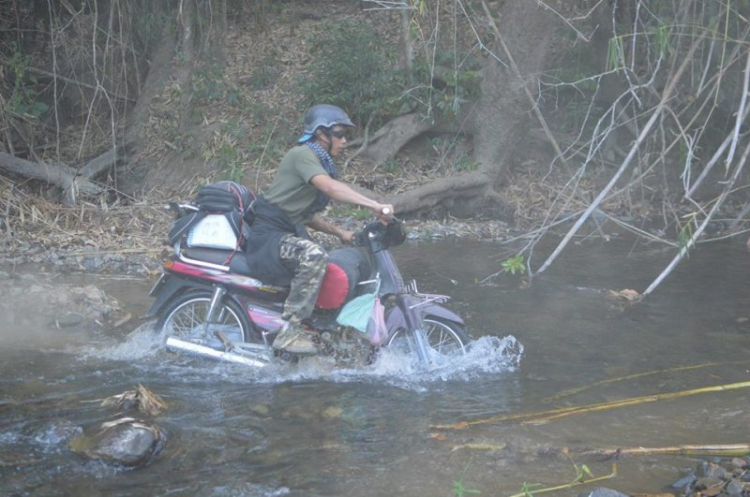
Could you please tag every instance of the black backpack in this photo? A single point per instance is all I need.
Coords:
(231, 199)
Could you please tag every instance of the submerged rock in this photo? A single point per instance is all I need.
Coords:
(126, 441)
(716, 478)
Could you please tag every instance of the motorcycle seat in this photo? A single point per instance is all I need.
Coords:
(347, 267)
(237, 260)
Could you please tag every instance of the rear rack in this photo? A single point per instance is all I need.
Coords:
(411, 289)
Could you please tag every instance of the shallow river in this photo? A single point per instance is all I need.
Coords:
(307, 430)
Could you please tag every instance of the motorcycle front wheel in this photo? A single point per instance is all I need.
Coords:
(446, 339)
(185, 318)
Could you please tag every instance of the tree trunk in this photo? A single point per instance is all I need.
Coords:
(187, 18)
(498, 120)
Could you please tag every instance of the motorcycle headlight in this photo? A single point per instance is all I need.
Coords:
(395, 234)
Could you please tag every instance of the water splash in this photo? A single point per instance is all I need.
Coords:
(141, 343)
(488, 355)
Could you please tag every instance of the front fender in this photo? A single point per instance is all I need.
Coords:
(167, 287)
(396, 319)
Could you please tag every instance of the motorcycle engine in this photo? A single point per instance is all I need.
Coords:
(346, 346)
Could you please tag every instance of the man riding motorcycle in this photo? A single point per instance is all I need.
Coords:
(279, 249)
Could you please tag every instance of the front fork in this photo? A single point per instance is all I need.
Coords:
(215, 306)
(216, 314)
(415, 324)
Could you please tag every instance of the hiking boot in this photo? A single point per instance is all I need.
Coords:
(293, 338)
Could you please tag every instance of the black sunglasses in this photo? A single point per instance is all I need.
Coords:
(338, 133)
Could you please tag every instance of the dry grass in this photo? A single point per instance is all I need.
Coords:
(31, 221)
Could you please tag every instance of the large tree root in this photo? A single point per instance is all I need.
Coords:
(448, 189)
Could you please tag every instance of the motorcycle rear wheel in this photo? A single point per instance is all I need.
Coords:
(446, 339)
(185, 318)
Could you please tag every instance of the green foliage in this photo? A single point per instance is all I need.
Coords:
(391, 166)
(685, 235)
(581, 472)
(229, 156)
(151, 27)
(265, 73)
(459, 490)
(514, 264)
(442, 83)
(464, 163)
(526, 488)
(614, 53)
(350, 211)
(23, 100)
(209, 86)
(351, 70)
(531, 489)
(354, 70)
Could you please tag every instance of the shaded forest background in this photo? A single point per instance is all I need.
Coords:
(551, 116)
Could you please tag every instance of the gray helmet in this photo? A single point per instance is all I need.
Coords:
(327, 116)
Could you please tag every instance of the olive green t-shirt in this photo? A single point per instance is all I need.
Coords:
(291, 190)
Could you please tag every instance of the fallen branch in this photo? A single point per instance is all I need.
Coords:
(58, 175)
(100, 164)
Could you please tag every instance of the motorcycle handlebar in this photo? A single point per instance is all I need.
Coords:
(379, 229)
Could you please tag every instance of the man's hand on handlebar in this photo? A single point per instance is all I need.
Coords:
(384, 212)
(348, 237)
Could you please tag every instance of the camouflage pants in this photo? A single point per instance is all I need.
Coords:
(309, 262)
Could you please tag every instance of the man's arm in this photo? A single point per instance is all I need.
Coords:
(342, 192)
(319, 223)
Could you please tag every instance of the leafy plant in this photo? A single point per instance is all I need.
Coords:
(526, 488)
(345, 210)
(465, 164)
(514, 264)
(391, 166)
(459, 489)
(23, 100)
(437, 87)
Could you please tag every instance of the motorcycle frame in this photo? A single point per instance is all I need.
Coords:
(263, 304)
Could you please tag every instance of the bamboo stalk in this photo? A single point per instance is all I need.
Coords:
(726, 450)
(638, 400)
(573, 391)
(549, 415)
(572, 484)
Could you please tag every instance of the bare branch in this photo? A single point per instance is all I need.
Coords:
(656, 115)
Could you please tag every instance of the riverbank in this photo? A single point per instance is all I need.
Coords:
(132, 240)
